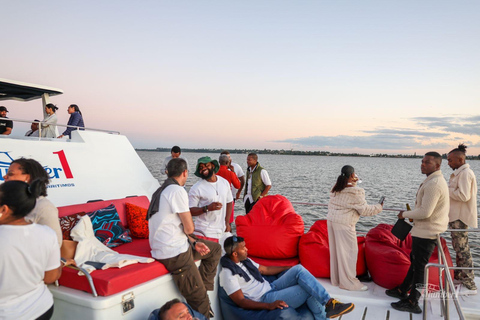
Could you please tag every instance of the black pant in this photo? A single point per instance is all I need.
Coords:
(422, 250)
(47, 315)
(249, 206)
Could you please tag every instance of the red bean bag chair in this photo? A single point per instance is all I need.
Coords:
(272, 229)
(314, 251)
(388, 258)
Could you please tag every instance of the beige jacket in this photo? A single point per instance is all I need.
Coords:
(47, 214)
(348, 205)
(430, 216)
(462, 187)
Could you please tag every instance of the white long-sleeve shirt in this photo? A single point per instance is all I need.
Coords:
(462, 188)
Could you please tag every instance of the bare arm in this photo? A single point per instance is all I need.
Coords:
(245, 303)
(265, 192)
(187, 222)
(228, 214)
(196, 211)
(242, 184)
(52, 275)
(7, 131)
(271, 271)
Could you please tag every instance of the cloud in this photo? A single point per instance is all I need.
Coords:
(464, 125)
(375, 141)
(408, 132)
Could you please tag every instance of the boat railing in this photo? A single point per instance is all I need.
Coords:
(59, 125)
(86, 274)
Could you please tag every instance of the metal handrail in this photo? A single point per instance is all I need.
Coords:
(59, 125)
(87, 275)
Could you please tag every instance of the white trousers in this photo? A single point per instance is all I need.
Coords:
(343, 256)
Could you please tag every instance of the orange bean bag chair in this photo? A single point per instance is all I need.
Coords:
(314, 251)
(272, 229)
(388, 258)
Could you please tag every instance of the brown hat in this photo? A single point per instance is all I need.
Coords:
(2, 108)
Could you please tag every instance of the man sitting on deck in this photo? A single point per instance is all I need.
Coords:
(242, 280)
(169, 223)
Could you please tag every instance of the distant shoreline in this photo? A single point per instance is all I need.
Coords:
(299, 153)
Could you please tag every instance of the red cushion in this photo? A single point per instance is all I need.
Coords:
(388, 258)
(314, 251)
(290, 262)
(137, 222)
(114, 280)
(141, 201)
(272, 229)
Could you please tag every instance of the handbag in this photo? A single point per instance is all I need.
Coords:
(401, 229)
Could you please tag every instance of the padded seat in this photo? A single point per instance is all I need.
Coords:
(114, 280)
(388, 258)
(314, 251)
(272, 229)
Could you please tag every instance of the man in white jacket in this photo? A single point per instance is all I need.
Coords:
(430, 217)
(462, 187)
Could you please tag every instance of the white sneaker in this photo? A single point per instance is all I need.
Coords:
(464, 291)
(364, 288)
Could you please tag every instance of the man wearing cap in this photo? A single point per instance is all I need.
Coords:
(170, 227)
(210, 200)
(33, 132)
(6, 126)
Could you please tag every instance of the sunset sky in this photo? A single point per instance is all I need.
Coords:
(341, 76)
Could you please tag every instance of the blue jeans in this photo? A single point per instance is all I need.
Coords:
(296, 287)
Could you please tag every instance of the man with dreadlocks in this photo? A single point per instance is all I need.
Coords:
(462, 188)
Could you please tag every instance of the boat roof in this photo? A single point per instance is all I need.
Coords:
(16, 90)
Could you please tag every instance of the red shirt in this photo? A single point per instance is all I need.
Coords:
(228, 175)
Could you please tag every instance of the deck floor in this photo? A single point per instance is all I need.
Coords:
(374, 304)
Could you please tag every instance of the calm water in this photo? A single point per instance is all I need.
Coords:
(310, 178)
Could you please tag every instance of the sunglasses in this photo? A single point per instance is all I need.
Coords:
(235, 240)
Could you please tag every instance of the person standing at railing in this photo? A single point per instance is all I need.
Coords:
(462, 187)
(430, 217)
(76, 120)
(347, 203)
(6, 126)
(33, 132)
(49, 124)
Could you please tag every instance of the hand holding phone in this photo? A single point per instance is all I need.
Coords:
(382, 199)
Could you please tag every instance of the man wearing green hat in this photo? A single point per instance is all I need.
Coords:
(210, 200)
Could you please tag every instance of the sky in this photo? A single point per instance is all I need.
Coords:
(340, 76)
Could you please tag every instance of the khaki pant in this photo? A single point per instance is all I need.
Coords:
(193, 283)
(343, 245)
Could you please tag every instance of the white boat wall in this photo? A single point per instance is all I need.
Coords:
(91, 166)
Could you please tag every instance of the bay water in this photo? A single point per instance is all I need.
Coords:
(309, 179)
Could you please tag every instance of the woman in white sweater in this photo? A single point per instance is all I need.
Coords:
(45, 212)
(49, 124)
(347, 203)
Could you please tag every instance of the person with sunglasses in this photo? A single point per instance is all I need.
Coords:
(243, 281)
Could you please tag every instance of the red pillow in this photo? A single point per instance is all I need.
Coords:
(68, 222)
(137, 221)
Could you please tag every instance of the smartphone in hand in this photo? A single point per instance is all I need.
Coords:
(381, 200)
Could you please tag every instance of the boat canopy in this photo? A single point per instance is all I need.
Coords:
(15, 90)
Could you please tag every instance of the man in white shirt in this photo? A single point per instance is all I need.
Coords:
(462, 188)
(33, 132)
(175, 152)
(243, 282)
(169, 223)
(258, 182)
(240, 175)
(210, 200)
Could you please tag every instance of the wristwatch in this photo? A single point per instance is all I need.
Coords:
(205, 209)
(194, 243)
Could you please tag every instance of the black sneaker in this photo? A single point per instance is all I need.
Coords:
(396, 293)
(335, 308)
(406, 305)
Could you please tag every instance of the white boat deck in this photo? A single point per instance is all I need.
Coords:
(375, 304)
